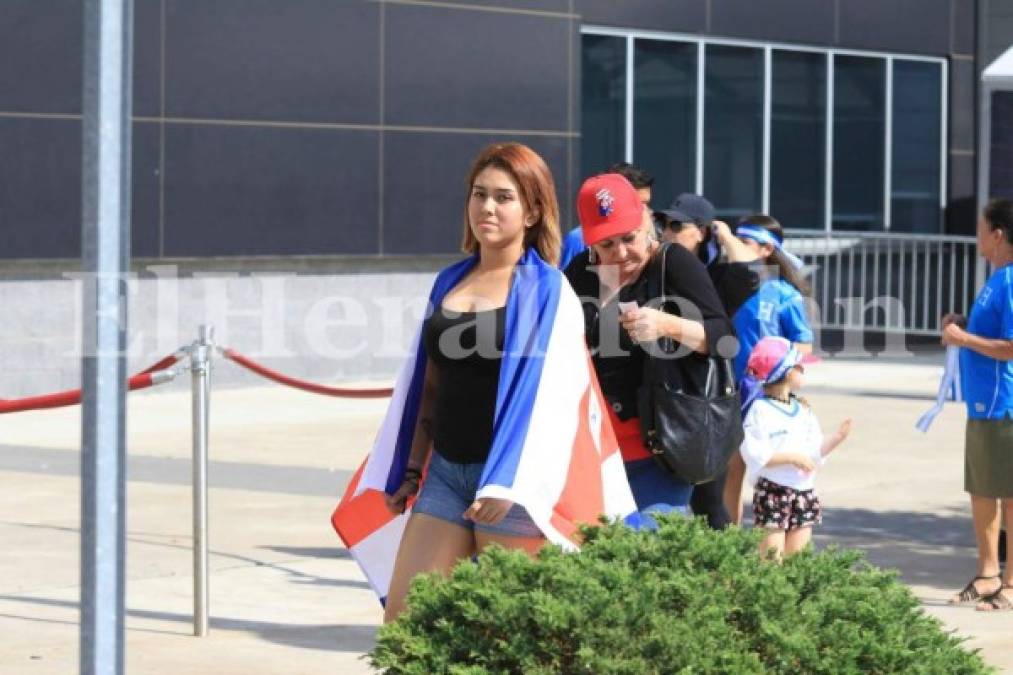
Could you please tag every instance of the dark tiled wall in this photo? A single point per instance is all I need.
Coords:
(913, 26)
(420, 214)
(293, 61)
(780, 20)
(683, 16)
(40, 56)
(246, 190)
(40, 188)
(304, 127)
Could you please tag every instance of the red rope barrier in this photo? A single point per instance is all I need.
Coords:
(169, 360)
(73, 396)
(302, 384)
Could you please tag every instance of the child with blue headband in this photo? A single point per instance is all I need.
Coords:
(777, 308)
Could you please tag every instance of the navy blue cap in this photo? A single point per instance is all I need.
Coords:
(690, 208)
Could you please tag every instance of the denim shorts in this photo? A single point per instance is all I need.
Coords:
(450, 489)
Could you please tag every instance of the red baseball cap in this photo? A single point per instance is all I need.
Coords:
(772, 357)
(607, 205)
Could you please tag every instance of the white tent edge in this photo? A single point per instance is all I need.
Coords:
(998, 76)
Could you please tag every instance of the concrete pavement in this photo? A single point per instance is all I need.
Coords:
(285, 597)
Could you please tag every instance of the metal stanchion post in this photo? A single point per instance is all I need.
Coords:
(200, 364)
(105, 247)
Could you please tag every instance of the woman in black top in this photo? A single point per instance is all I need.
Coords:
(610, 276)
(511, 208)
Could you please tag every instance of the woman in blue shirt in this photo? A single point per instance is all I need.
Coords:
(986, 378)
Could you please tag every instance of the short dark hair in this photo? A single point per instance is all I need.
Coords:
(999, 216)
(637, 177)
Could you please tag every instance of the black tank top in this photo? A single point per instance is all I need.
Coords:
(466, 348)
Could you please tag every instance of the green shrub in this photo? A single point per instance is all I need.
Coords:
(683, 599)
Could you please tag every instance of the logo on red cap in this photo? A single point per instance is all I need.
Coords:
(608, 206)
(605, 202)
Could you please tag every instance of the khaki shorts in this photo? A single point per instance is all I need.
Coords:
(988, 458)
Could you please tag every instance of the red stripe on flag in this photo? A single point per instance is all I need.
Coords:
(361, 516)
(358, 516)
(565, 527)
(582, 499)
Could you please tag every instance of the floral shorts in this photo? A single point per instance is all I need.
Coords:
(780, 507)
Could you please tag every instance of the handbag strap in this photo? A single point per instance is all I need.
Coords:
(719, 369)
(715, 366)
(656, 287)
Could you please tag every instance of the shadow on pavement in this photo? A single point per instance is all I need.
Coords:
(936, 550)
(296, 576)
(327, 637)
(333, 552)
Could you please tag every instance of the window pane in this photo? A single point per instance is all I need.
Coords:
(859, 132)
(1001, 166)
(798, 139)
(914, 198)
(664, 113)
(603, 103)
(733, 130)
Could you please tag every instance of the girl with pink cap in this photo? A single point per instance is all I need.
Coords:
(782, 448)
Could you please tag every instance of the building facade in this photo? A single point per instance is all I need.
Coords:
(345, 127)
(301, 161)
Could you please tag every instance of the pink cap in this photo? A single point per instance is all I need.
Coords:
(772, 357)
(607, 205)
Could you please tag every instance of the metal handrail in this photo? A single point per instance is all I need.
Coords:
(892, 282)
(861, 234)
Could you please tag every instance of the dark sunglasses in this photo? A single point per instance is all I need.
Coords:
(664, 222)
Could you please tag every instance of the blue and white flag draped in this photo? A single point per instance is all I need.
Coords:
(553, 449)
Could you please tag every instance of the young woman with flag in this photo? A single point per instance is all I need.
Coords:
(496, 415)
(611, 278)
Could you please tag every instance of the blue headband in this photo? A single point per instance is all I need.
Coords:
(764, 236)
(790, 359)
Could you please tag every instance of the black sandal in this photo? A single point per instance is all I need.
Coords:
(970, 593)
(996, 602)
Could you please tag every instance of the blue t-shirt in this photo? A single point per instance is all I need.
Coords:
(778, 309)
(573, 246)
(987, 384)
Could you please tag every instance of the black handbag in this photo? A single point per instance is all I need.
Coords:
(692, 431)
